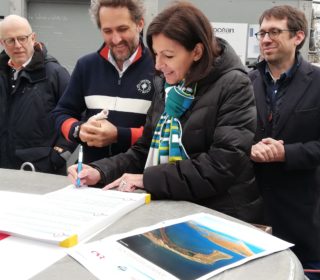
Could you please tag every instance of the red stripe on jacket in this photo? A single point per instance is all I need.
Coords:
(66, 126)
(135, 134)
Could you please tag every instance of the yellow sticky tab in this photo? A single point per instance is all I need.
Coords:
(148, 198)
(69, 242)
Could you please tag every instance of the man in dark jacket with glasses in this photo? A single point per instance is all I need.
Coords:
(287, 149)
(31, 84)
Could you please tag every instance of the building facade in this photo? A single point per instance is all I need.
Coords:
(68, 32)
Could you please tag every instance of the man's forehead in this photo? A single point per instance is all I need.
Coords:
(274, 21)
(15, 28)
(111, 17)
(14, 33)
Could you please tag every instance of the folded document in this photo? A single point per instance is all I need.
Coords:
(67, 216)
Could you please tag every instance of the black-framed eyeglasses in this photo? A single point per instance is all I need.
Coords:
(10, 42)
(273, 33)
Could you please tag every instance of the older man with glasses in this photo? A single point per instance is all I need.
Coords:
(287, 149)
(31, 84)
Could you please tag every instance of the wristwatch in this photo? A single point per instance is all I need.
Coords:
(76, 132)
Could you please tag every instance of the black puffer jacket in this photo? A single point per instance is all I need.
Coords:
(27, 132)
(218, 132)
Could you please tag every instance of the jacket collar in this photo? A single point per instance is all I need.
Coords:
(226, 62)
(294, 92)
(35, 70)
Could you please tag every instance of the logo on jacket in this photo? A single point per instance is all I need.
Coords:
(144, 86)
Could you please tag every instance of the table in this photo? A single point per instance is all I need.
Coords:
(281, 265)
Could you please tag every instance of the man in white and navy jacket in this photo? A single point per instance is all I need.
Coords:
(119, 78)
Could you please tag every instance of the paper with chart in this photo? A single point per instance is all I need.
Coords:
(194, 247)
(67, 216)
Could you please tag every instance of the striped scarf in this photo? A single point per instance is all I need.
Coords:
(166, 145)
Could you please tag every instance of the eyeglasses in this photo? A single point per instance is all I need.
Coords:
(10, 42)
(273, 33)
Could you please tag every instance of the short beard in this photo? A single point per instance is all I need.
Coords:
(131, 47)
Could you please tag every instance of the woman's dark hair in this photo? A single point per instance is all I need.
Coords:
(296, 19)
(187, 25)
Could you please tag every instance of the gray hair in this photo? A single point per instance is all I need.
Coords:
(136, 8)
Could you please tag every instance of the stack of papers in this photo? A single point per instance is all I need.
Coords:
(67, 216)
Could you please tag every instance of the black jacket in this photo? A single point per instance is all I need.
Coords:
(291, 189)
(218, 132)
(27, 132)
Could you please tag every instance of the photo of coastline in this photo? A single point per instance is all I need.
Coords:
(189, 250)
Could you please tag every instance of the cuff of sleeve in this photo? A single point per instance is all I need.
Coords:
(103, 179)
(124, 136)
(149, 181)
(291, 162)
(74, 132)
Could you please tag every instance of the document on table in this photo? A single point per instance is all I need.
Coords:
(67, 216)
(20, 258)
(193, 247)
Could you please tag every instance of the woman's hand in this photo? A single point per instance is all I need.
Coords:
(88, 175)
(127, 183)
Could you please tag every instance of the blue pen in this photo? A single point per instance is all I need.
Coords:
(80, 157)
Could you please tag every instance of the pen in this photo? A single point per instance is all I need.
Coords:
(80, 157)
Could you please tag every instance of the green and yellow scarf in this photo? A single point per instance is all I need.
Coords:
(166, 145)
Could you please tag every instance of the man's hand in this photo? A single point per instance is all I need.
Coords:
(268, 150)
(98, 133)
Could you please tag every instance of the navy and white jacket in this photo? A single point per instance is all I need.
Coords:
(95, 85)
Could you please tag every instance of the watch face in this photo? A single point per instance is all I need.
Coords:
(76, 131)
